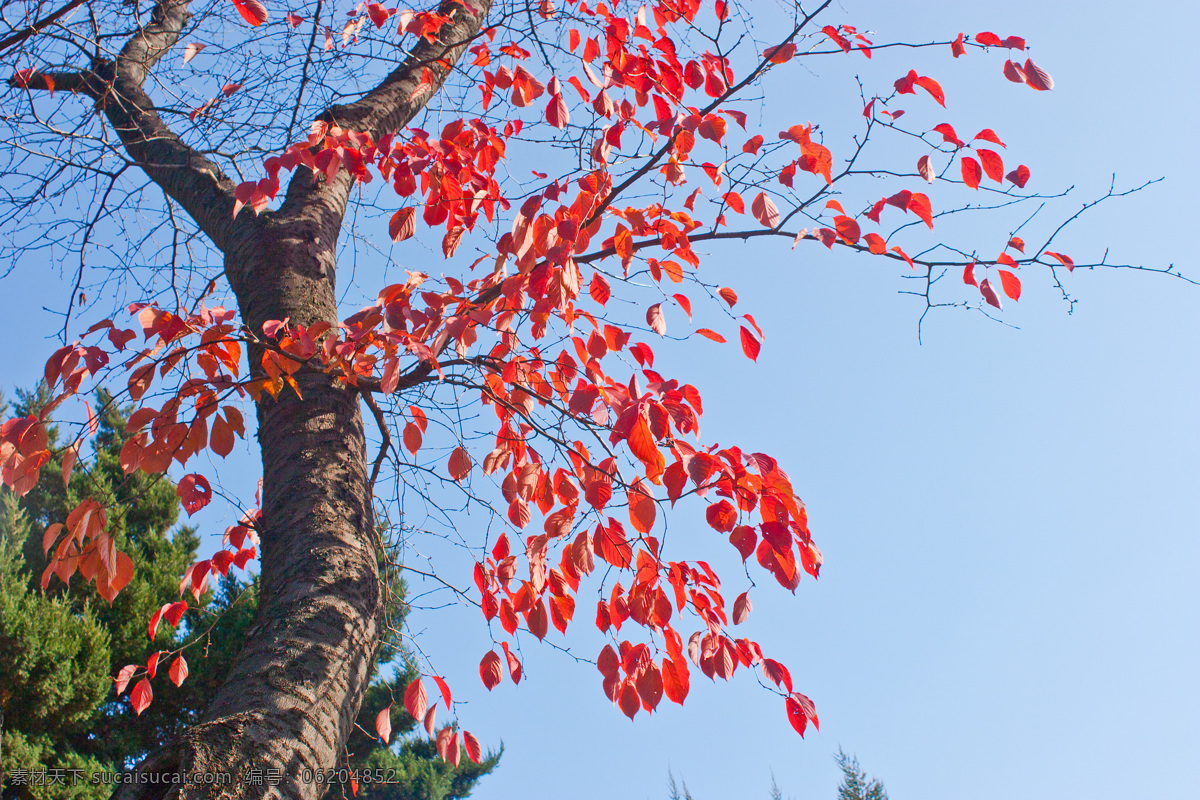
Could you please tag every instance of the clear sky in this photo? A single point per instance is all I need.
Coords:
(1008, 606)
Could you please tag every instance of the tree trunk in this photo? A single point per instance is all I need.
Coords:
(286, 710)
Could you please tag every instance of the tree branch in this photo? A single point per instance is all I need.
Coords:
(187, 177)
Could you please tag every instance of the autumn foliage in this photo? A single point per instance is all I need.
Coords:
(590, 443)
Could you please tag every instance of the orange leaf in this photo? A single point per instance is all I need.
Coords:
(1011, 284)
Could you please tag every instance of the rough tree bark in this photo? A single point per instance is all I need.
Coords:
(291, 700)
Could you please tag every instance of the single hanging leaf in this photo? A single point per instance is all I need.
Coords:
(556, 111)
(403, 224)
(969, 275)
(1019, 176)
(925, 169)
(141, 696)
(989, 294)
(191, 50)
(445, 690)
(178, 672)
(415, 699)
(252, 11)
(460, 464)
(971, 172)
(654, 318)
(764, 210)
(490, 670)
(750, 345)
(993, 165)
(383, 724)
(1037, 77)
(471, 745)
(194, 492)
(1011, 284)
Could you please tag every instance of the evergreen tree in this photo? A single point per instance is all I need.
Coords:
(59, 648)
(855, 785)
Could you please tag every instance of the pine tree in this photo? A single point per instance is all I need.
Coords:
(855, 785)
(59, 648)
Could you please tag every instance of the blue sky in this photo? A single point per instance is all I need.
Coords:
(1008, 605)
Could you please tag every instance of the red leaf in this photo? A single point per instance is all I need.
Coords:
(415, 699)
(934, 88)
(800, 710)
(957, 48)
(741, 608)
(764, 210)
(675, 680)
(1037, 77)
(471, 745)
(252, 11)
(445, 691)
(460, 464)
(728, 295)
(919, 204)
(403, 224)
(629, 701)
(925, 169)
(989, 294)
(1019, 176)
(711, 334)
(178, 672)
(993, 165)
(124, 677)
(777, 673)
(721, 516)
(989, 135)
(141, 696)
(780, 54)
(642, 508)
(490, 670)
(876, 244)
(988, 39)
(971, 172)
(194, 492)
(752, 144)
(412, 438)
(514, 664)
(654, 318)
(1013, 72)
(847, 229)
(1064, 260)
(750, 345)
(1016, 243)
(1011, 284)
(969, 274)
(599, 289)
(556, 111)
